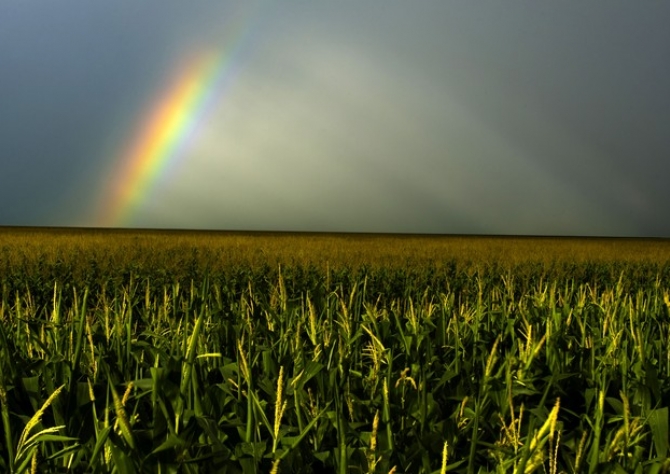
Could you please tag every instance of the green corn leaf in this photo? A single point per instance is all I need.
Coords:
(658, 422)
(103, 435)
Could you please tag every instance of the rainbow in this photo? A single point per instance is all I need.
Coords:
(163, 136)
(172, 120)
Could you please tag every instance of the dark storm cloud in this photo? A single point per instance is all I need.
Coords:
(440, 117)
(591, 74)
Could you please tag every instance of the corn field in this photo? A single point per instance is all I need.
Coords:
(135, 353)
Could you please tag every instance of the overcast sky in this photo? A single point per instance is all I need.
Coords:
(451, 117)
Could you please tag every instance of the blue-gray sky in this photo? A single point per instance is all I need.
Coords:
(449, 117)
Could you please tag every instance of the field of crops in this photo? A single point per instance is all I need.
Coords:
(177, 352)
